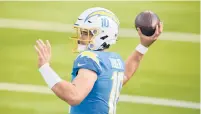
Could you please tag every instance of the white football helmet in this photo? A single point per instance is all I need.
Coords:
(102, 23)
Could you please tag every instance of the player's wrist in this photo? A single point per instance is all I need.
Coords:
(43, 66)
(49, 75)
(141, 49)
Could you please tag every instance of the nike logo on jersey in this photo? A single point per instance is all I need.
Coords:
(80, 64)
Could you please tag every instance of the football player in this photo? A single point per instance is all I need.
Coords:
(97, 75)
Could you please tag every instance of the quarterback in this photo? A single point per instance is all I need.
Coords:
(97, 75)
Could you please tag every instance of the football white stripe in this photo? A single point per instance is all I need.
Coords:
(60, 27)
(123, 98)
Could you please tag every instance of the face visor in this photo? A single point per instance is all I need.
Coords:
(83, 39)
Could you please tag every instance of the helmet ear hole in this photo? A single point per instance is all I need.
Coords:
(105, 45)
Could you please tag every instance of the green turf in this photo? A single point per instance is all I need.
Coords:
(132, 108)
(169, 70)
(177, 16)
(28, 103)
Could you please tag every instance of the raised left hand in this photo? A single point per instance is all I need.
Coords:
(44, 52)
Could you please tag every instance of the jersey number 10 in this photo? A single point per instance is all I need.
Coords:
(117, 79)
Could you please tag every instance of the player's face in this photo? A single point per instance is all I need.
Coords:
(85, 37)
(82, 38)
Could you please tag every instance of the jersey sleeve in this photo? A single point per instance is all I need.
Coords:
(87, 60)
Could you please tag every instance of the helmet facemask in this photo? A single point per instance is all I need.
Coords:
(83, 38)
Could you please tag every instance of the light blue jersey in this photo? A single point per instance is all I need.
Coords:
(104, 96)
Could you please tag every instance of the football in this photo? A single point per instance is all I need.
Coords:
(147, 22)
